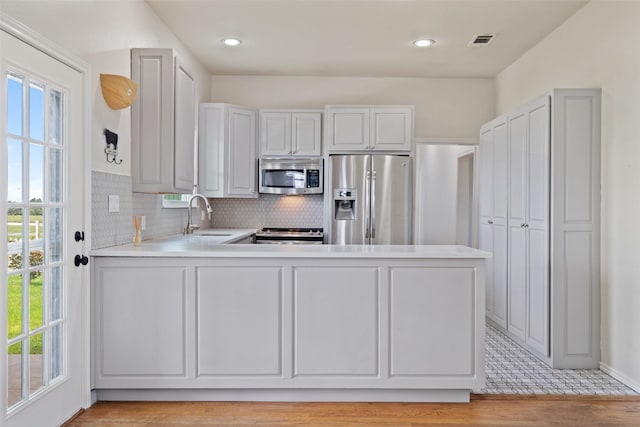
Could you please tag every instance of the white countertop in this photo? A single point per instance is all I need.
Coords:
(217, 245)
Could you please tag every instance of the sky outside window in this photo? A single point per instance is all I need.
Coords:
(15, 147)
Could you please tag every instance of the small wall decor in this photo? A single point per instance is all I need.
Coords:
(118, 91)
(111, 150)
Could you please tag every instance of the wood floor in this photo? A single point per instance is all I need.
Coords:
(484, 410)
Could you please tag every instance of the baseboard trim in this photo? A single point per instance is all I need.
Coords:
(620, 377)
(284, 395)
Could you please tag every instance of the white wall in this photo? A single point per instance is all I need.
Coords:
(453, 108)
(436, 198)
(102, 34)
(598, 47)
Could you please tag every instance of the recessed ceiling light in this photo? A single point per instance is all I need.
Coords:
(231, 41)
(423, 42)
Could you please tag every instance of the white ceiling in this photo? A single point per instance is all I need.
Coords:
(370, 38)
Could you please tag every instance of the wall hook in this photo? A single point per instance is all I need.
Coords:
(111, 150)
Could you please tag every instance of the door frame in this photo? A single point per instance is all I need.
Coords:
(36, 40)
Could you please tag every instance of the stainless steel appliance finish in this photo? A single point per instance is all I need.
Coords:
(371, 199)
(291, 176)
(290, 236)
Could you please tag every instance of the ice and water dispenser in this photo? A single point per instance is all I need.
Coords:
(344, 203)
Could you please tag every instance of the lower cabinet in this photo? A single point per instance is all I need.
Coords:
(225, 324)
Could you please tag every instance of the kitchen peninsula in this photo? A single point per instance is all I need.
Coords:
(188, 318)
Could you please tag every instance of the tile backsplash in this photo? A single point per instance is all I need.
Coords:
(268, 211)
(112, 229)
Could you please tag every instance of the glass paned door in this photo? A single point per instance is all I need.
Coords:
(41, 128)
(35, 217)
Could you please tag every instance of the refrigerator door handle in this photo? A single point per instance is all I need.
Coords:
(367, 205)
(373, 205)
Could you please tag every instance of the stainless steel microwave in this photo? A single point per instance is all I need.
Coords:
(291, 176)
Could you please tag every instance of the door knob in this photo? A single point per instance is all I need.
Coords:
(80, 259)
(490, 222)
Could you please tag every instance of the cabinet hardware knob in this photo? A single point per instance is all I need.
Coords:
(490, 222)
(80, 259)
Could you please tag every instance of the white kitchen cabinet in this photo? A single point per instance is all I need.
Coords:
(239, 321)
(163, 123)
(290, 133)
(141, 315)
(227, 151)
(358, 128)
(311, 327)
(493, 215)
(336, 321)
(554, 227)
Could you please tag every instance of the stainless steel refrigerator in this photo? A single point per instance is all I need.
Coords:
(371, 199)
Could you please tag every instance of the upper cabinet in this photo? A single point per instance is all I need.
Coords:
(381, 128)
(290, 133)
(163, 123)
(227, 151)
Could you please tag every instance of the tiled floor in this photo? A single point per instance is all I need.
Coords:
(511, 370)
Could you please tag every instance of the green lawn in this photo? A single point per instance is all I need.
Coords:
(14, 297)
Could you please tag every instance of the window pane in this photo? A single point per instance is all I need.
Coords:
(14, 237)
(36, 108)
(55, 117)
(15, 374)
(54, 241)
(14, 171)
(14, 301)
(14, 105)
(36, 299)
(36, 234)
(35, 363)
(36, 171)
(55, 286)
(55, 369)
(55, 175)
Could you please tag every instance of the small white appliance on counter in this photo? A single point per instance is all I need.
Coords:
(291, 176)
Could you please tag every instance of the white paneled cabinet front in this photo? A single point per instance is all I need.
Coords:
(163, 123)
(287, 323)
(227, 151)
(553, 245)
(290, 133)
(141, 316)
(493, 215)
(336, 321)
(358, 128)
(239, 321)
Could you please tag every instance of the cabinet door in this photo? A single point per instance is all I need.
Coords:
(517, 223)
(211, 136)
(184, 127)
(275, 134)
(538, 197)
(242, 153)
(500, 166)
(421, 298)
(485, 196)
(305, 134)
(348, 129)
(391, 129)
(239, 321)
(141, 313)
(152, 121)
(336, 326)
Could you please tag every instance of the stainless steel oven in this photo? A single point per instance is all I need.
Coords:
(290, 236)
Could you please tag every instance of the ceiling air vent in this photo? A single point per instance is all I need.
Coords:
(481, 39)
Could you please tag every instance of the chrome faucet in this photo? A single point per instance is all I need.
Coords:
(191, 227)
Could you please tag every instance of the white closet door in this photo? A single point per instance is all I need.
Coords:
(500, 177)
(538, 227)
(485, 229)
(517, 223)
